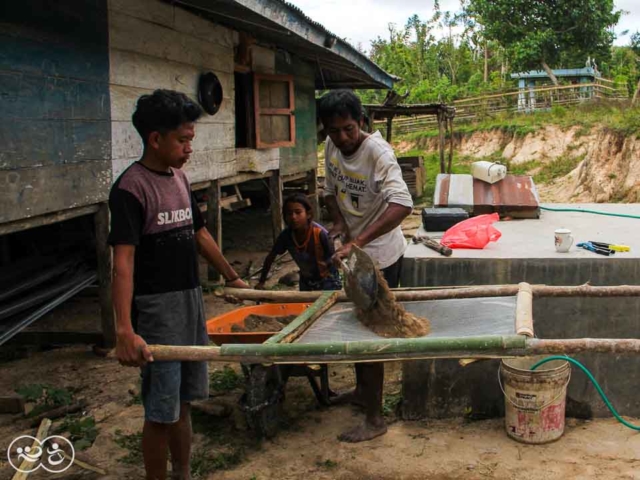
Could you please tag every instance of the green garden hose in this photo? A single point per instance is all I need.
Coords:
(595, 384)
(595, 212)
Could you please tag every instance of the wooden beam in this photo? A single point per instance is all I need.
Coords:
(26, 466)
(243, 177)
(104, 260)
(275, 196)
(441, 127)
(313, 194)
(214, 222)
(200, 186)
(389, 128)
(12, 404)
(47, 219)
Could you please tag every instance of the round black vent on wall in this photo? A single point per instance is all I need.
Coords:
(210, 92)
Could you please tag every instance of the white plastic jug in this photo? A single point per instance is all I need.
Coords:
(488, 172)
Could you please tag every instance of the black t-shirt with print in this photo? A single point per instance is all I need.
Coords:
(156, 212)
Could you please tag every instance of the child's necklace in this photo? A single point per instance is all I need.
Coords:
(302, 247)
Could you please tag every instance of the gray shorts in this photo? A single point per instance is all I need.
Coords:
(174, 318)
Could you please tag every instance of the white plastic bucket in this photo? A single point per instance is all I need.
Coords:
(489, 172)
(535, 400)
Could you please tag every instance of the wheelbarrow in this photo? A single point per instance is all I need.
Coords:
(265, 385)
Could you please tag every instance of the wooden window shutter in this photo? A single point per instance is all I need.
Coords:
(274, 111)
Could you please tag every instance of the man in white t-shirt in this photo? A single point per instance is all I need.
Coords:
(367, 200)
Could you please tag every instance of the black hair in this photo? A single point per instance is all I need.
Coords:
(343, 103)
(300, 198)
(163, 111)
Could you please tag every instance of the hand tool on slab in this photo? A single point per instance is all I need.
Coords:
(611, 246)
(360, 278)
(595, 249)
(432, 244)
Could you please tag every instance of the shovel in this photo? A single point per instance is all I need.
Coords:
(360, 279)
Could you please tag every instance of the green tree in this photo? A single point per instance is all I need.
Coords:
(537, 32)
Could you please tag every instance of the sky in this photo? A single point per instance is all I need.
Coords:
(361, 21)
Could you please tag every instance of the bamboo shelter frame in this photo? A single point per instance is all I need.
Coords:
(281, 349)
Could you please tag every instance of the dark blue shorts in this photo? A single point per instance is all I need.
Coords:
(174, 318)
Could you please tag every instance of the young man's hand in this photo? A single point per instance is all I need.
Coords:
(237, 283)
(341, 253)
(132, 350)
(259, 286)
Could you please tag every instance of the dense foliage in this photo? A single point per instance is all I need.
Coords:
(471, 52)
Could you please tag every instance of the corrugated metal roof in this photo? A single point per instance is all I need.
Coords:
(284, 25)
(514, 196)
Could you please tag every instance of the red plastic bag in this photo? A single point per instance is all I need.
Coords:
(474, 232)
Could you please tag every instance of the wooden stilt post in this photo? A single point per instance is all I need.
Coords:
(103, 254)
(450, 121)
(389, 128)
(313, 194)
(214, 222)
(275, 195)
(441, 126)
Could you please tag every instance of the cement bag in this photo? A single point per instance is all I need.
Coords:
(475, 232)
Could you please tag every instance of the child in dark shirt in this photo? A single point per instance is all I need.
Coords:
(309, 245)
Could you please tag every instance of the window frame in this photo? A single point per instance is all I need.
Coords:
(260, 112)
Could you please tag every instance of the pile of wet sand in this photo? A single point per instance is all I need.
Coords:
(262, 323)
(389, 319)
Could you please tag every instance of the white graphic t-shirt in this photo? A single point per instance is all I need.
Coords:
(364, 184)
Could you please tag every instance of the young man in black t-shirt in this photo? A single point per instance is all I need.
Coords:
(156, 233)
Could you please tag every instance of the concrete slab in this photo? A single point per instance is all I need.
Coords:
(531, 238)
(526, 252)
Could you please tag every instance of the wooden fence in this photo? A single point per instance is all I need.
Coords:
(515, 100)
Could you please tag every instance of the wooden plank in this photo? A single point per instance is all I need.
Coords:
(313, 194)
(126, 142)
(132, 69)
(214, 222)
(243, 177)
(296, 328)
(29, 192)
(211, 165)
(252, 160)
(12, 404)
(104, 261)
(125, 97)
(153, 11)
(47, 219)
(263, 60)
(42, 97)
(275, 196)
(200, 186)
(31, 143)
(131, 34)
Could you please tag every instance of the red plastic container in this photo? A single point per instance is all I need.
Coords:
(219, 328)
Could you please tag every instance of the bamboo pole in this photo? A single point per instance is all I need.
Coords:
(395, 350)
(524, 310)
(466, 292)
(26, 465)
(617, 346)
(306, 319)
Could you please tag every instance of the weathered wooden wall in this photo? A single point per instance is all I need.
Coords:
(304, 156)
(54, 106)
(157, 45)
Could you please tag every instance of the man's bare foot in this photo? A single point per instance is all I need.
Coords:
(352, 397)
(363, 432)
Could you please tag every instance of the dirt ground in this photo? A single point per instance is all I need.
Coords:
(306, 447)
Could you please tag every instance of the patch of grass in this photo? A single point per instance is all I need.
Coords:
(612, 176)
(204, 461)
(45, 397)
(557, 168)
(225, 380)
(82, 431)
(521, 168)
(326, 464)
(132, 443)
(390, 403)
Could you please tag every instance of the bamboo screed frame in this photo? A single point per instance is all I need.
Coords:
(280, 348)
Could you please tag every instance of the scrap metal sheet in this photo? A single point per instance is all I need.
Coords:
(467, 317)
